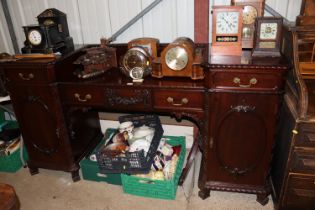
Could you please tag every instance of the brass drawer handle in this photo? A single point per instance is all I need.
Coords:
(86, 97)
(252, 81)
(295, 132)
(28, 77)
(183, 101)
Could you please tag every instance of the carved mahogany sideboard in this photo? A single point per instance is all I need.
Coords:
(243, 100)
(235, 108)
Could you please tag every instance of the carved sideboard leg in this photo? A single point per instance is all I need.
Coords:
(190, 159)
(33, 171)
(262, 198)
(75, 176)
(204, 193)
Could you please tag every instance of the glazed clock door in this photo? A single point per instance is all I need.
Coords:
(38, 112)
(241, 134)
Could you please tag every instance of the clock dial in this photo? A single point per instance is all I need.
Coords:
(176, 58)
(135, 58)
(136, 73)
(34, 37)
(227, 23)
(268, 30)
(249, 14)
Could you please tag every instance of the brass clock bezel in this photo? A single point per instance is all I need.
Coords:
(180, 55)
(142, 54)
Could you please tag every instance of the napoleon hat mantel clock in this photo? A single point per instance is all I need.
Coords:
(268, 37)
(226, 30)
(181, 58)
(251, 10)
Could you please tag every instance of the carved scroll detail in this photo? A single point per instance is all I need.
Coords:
(139, 97)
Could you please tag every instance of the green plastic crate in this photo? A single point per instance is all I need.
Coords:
(12, 163)
(90, 169)
(157, 188)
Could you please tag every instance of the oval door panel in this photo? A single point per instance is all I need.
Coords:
(40, 120)
(236, 146)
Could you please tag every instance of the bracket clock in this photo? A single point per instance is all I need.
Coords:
(50, 35)
(251, 10)
(180, 58)
(268, 37)
(226, 30)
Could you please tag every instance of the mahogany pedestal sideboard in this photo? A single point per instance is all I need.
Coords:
(235, 108)
(243, 105)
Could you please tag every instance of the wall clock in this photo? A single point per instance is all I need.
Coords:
(180, 58)
(251, 10)
(268, 37)
(226, 30)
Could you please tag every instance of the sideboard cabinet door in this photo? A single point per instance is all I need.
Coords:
(40, 119)
(240, 143)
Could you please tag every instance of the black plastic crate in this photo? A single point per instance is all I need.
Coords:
(133, 162)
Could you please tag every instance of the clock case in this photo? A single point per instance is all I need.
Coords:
(53, 26)
(274, 48)
(226, 48)
(259, 5)
(307, 13)
(147, 47)
(193, 69)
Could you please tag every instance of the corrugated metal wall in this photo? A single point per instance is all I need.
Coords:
(89, 20)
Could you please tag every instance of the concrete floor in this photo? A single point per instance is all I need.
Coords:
(54, 190)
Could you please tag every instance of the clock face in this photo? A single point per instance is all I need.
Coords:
(136, 73)
(34, 37)
(249, 14)
(268, 30)
(135, 58)
(176, 58)
(227, 22)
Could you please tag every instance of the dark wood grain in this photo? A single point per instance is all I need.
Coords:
(57, 113)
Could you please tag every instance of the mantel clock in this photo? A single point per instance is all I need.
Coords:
(138, 58)
(251, 10)
(268, 37)
(181, 58)
(226, 30)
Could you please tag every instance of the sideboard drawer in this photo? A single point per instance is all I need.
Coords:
(30, 75)
(81, 95)
(245, 80)
(303, 162)
(181, 99)
(300, 192)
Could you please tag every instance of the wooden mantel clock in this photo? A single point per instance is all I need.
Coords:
(268, 37)
(180, 58)
(251, 10)
(227, 30)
